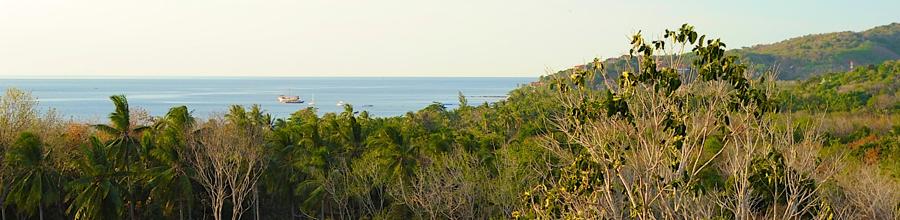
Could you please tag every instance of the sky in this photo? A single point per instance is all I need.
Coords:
(171, 38)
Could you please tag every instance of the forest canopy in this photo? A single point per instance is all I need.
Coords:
(693, 134)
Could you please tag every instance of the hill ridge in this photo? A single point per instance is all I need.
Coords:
(811, 55)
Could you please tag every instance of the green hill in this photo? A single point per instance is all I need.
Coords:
(811, 55)
(870, 87)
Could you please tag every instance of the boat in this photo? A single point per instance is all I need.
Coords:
(288, 99)
(341, 103)
(313, 101)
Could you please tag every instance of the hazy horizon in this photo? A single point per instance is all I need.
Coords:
(201, 76)
(283, 38)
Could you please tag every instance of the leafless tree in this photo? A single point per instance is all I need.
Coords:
(229, 161)
(208, 155)
(18, 111)
(448, 188)
(866, 193)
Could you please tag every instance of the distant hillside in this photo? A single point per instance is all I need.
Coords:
(812, 55)
(870, 87)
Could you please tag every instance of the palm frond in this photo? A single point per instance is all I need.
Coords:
(106, 129)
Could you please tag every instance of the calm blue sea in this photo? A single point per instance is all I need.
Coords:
(88, 99)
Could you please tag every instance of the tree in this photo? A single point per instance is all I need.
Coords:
(208, 156)
(352, 131)
(18, 111)
(123, 131)
(248, 142)
(35, 183)
(649, 145)
(124, 144)
(315, 158)
(452, 186)
(96, 194)
(313, 187)
(463, 102)
(168, 178)
(282, 176)
(397, 151)
(229, 159)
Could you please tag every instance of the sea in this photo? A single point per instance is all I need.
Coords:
(88, 99)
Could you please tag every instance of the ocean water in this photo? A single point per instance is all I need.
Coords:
(88, 99)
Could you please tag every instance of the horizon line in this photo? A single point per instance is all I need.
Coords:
(263, 76)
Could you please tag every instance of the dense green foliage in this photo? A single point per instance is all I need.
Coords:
(333, 165)
(871, 87)
(648, 135)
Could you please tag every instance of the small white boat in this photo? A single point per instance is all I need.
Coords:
(313, 101)
(341, 103)
(289, 99)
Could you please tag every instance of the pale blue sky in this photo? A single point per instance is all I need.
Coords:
(123, 38)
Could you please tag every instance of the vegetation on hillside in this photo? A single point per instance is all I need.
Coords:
(859, 112)
(665, 136)
(808, 56)
(812, 55)
(870, 87)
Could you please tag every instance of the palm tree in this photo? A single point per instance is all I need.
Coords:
(124, 144)
(397, 151)
(282, 176)
(96, 194)
(169, 177)
(35, 182)
(122, 130)
(313, 156)
(312, 145)
(316, 163)
(255, 118)
(301, 159)
(313, 188)
(352, 131)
